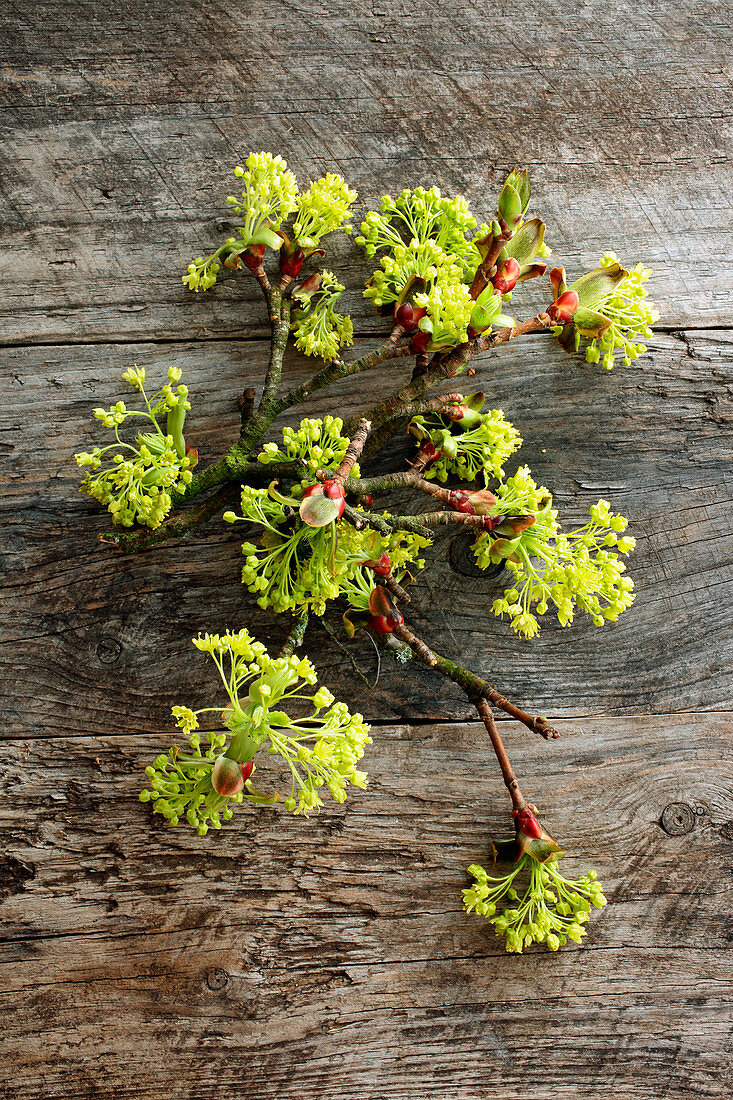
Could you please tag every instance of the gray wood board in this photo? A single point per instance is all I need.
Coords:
(330, 957)
(95, 640)
(121, 125)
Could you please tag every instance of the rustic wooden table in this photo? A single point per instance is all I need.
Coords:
(287, 959)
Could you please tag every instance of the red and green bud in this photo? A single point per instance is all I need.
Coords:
(366, 500)
(252, 257)
(558, 281)
(478, 503)
(381, 566)
(564, 308)
(291, 261)
(226, 777)
(247, 769)
(305, 290)
(408, 316)
(507, 275)
(526, 822)
(322, 503)
(384, 615)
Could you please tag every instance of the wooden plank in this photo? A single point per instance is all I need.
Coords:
(119, 144)
(331, 957)
(95, 640)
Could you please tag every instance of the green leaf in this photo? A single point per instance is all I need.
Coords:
(526, 242)
(475, 401)
(540, 849)
(354, 620)
(267, 237)
(510, 205)
(590, 323)
(598, 284)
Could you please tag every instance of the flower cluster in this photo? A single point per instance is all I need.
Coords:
(612, 311)
(416, 265)
(552, 909)
(424, 234)
(320, 750)
(476, 444)
(356, 547)
(294, 565)
(319, 329)
(577, 568)
(419, 216)
(629, 315)
(448, 309)
(298, 566)
(430, 264)
(315, 444)
(136, 486)
(269, 197)
(324, 207)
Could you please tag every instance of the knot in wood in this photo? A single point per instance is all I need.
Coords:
(108, 650)
(217, 979)
(677, 819)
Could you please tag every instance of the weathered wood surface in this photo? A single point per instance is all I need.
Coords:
(110, 635)
(122, 124)
(331, 958)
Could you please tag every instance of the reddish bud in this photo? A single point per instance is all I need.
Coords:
(252, 258)
(557, 280)
(247, 770)
(428, 452)
(366, 500)
(334, 490)
(527, 823)
(291, 262)
(385, 624)
(383, 568)
(472, 333)
(563, 308)
(193, 454)
(407, 316)
(460, 501)
(380, 624)
(226, 777)
(456, 412)
(507, 274)
(420, 341)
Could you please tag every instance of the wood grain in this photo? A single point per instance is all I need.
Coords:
(101, 641)
(331, 957)
(122, 124)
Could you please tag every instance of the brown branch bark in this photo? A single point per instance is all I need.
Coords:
(476, 687)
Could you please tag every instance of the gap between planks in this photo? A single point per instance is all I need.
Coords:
(259, 335)
(388, 723)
